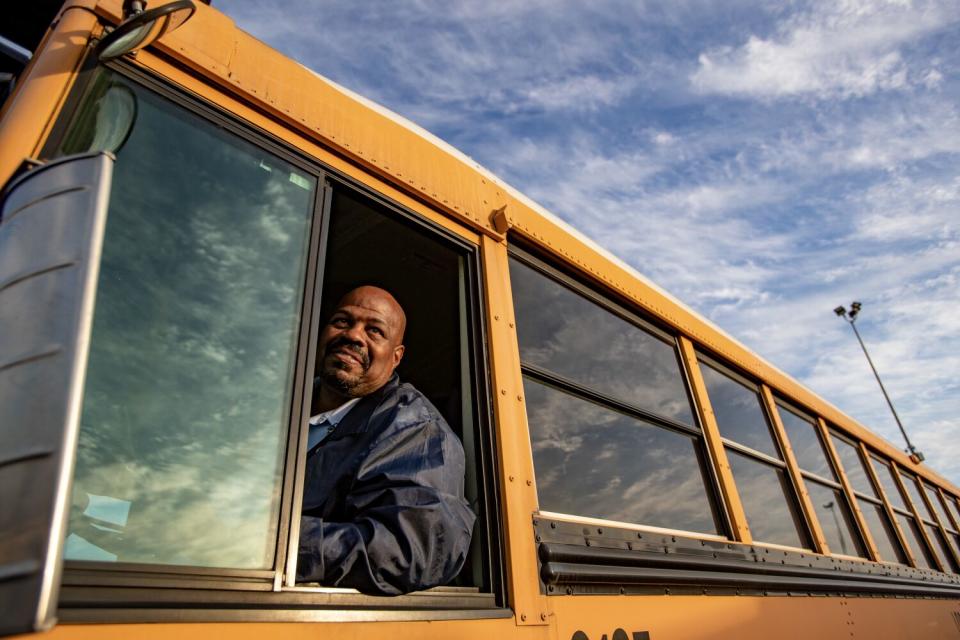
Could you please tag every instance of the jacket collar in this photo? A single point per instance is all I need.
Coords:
(357, 420)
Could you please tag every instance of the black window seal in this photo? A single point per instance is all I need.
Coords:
(575, 560)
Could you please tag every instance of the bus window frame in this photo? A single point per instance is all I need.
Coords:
(806, 533)
(478, 370)
(782, 404)
(922, 521)
(133, 592)
(611, 303)
(620, 310)
(831, 432)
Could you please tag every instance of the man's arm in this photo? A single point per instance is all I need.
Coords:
(410, 526)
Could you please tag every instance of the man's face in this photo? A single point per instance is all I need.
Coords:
(361, 345)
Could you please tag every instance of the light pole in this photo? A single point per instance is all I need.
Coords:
(851, 317)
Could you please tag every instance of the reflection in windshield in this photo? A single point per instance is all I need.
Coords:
(188, 387)
(591, 461)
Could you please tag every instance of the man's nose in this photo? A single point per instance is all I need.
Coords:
(354, 333)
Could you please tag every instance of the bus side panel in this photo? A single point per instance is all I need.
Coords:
(42, 89)
(501, 629)
(753, 617)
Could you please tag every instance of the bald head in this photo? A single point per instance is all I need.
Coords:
(360, 346)
(375, 297)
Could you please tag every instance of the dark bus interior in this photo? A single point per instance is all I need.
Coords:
(371, 244)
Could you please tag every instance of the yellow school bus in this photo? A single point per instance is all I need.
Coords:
(182, 204)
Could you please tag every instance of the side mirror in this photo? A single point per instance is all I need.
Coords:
(142, 28)
(52, 221)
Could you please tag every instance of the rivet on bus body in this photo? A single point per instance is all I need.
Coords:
(529, 483)
(523, 617)
(511, 478)
(543, 616)
(519, 398)
(503, 392)
(496, 317)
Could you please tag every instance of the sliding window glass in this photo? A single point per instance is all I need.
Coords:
(759, 472)
(826, 493)
(192, 357)
(612, 428)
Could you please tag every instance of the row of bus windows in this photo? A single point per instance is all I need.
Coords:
(186, 425)
(615, 436)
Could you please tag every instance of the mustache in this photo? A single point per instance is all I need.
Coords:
(345, 343)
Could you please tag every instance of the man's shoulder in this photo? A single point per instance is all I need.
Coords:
(407, 414)
(403, 404)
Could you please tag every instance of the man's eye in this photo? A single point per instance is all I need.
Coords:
(376, 331)
(339, 322)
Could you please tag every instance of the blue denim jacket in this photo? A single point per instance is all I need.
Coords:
(383, 504)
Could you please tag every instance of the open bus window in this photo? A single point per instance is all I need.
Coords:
(430, 275)
(611, 423)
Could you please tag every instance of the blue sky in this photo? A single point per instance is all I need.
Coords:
(764, 162)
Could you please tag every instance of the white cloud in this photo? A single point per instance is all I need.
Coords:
(663, 138)
(763, 213)
(584, 92)
(837, 49)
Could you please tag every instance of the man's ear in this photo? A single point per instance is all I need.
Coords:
(398, 355)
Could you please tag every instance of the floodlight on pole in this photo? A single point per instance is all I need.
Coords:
(915, 455)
